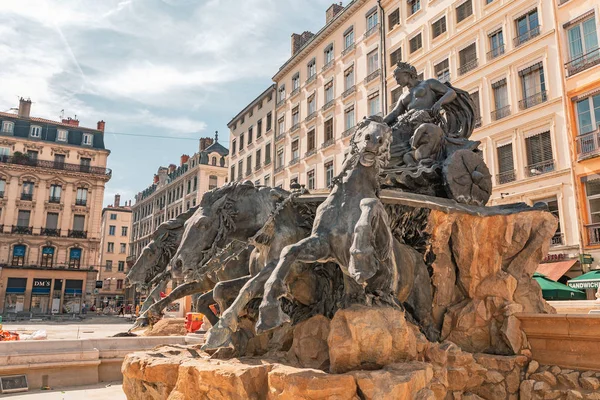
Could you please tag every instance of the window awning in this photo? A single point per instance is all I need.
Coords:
(555, 270)
(591, 280)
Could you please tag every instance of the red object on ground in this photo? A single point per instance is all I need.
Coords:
(6, 336)
(193, 321)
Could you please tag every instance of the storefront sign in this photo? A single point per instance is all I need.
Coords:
(19, 251)
(584, 284)
(42, 283)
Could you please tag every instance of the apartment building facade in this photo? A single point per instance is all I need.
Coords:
(332, 79)
(251, 137)
(176, 189)
(52, 178)
(116, 228)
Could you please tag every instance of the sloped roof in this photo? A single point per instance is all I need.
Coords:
(217, 147)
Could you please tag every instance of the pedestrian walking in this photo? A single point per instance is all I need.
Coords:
(122, 310)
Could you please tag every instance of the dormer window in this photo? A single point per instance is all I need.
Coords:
(8, 126)
(35, 131)
(87, 139)
(61, 135)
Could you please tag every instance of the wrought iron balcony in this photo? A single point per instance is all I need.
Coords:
(328, 143)
(558, 239)
(279, 169)
(328, 105)
(34, 162)
(279, 136)
(539, 168)
(54, 199)
(27, 196)
(588, 144)
(593, 234)
(506, 177)
(327, 66)
(530, 34)
(311, 116)
(311, 79)
(267, 161)
(444, 77)
(258, 167)
(500, 113)
(80, 202)
(22, 230)
(295, 127)
(295, 91)
(294, 161)
(495, 52)
(371, 31)
(349, 131)
(583, 62)
(77, 234)
(373, 75)
(50, 232)
(533, 100)
(349, 91)
(310, 153)
(349, 49)
(280, 103)
(471, 65)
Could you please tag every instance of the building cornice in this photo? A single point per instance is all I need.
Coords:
(262, 96)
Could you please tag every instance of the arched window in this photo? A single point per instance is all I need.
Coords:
(74, 258)
(47, 256)
(214, 161)
(18, 255)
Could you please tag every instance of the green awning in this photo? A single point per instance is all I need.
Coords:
(591, 280)
(552, 290)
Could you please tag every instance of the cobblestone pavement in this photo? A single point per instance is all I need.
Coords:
(101, 391)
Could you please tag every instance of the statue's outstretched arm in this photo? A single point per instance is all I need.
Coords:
(398, 110)
(446, 94)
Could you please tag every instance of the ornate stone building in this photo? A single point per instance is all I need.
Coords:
(116, 229)
(52, 177)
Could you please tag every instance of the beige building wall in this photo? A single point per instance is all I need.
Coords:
(116, 228)
(348, 102)
(251, 140)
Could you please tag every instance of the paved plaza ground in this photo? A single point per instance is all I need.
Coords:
(101, 391)
(89, 328)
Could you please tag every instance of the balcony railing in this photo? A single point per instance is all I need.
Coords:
(310, 79)
(22, 230)
(77, 234)
(279, 136)
(54, 199)
(280, 103)
(349, 131)
(444, 77)
(327, 66)
(533, 100)
(309, 153)
(279, 169)
(328, 143)
(258, 167)
(471, 65)
(349, 91)
(373, 75)
(267, 161)
(50, 232)
(539, 168)
(506, 177)
(294, 161)
(583, 62)
(593, 234)
(295, 127)
(80, 202)
(372, 31)
(500, 113)
(311, 116)
(349, 49)
(495, 52)
(295, 91)
(530, 34)
(588, 144)
(558, 239)
(34, 162)
(27, 196)
(328, 105)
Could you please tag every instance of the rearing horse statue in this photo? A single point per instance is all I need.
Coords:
(351, 229)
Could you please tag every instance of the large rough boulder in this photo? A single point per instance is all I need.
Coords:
(309, 347)
(395, 382)
(369, 338)
(289, 383)
(167, 327)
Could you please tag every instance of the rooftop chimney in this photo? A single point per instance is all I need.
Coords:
(101, 125)
(184, 159)
(299, 40)
(155, 180)
(117, 200)
(332, 11)
(71, 121)
(172, 167)
(24, 108)
(205, 142)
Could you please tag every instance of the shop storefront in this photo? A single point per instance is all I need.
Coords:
(14, 300)
(72, 300)
(40, 296)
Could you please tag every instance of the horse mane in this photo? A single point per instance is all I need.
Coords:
(231, 189)
(266, 234)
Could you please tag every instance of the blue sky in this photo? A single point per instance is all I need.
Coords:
(175, 68)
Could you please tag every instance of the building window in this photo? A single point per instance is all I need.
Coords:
(269, 121)
(477, 110)
(87, 139)
(4, 153)
(250, 138)
(328, 53)
(84, 164)
(311, 104)
(372, 62)
(295, 117)
(349, 118)
(212, 182)
(18, 255)
(267, 180)
(527, 27)
(373, 104)
(112, 230)
(372, 20)
(240, 169)
(110, 248)
(463, 11)
(295, 150)
(583, 45)
(588, 114)
(108, 268)
(329, 92)
(394, 19)
(8, 127)
(396, 56)
(281, 93)
(310, 179)
(241, 142)
(61, 135)
(78, 223)
(438, 27)
(533, 86)
(81, 197)
(47, 256)
(123, 248)
(119, 283)
(259, 129)
(592, 192)
(32, 154)
(2, 187)
(268, 154)
(501, 107)
(540, 159)
(258, 158)
(249, 165)
(74, 258)
(35, 131)
(328, 126)
(113, 216)
(23, 218)
(467, 58)
(506, 164)
(296, 82)
(281, 124)
(415, 43)
(328, 173)
(280, 157)
(51, 224)
(552, 203)
(496, 44)
(396, 94)
(311, 68)
(55, 192)
(27, 192)
(233, 147)
(413, 6)
(349, 39)
(311, 142)
(442, 71)
(124, 230)
(213, 161)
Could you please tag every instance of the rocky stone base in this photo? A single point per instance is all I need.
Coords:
(553, 382)
(167, 327)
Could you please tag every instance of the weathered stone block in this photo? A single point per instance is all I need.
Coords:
(289, 383)
(309, 347)
(394, 382)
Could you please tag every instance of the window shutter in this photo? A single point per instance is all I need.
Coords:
(539, 148)
(467, 54)
(505, 158)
